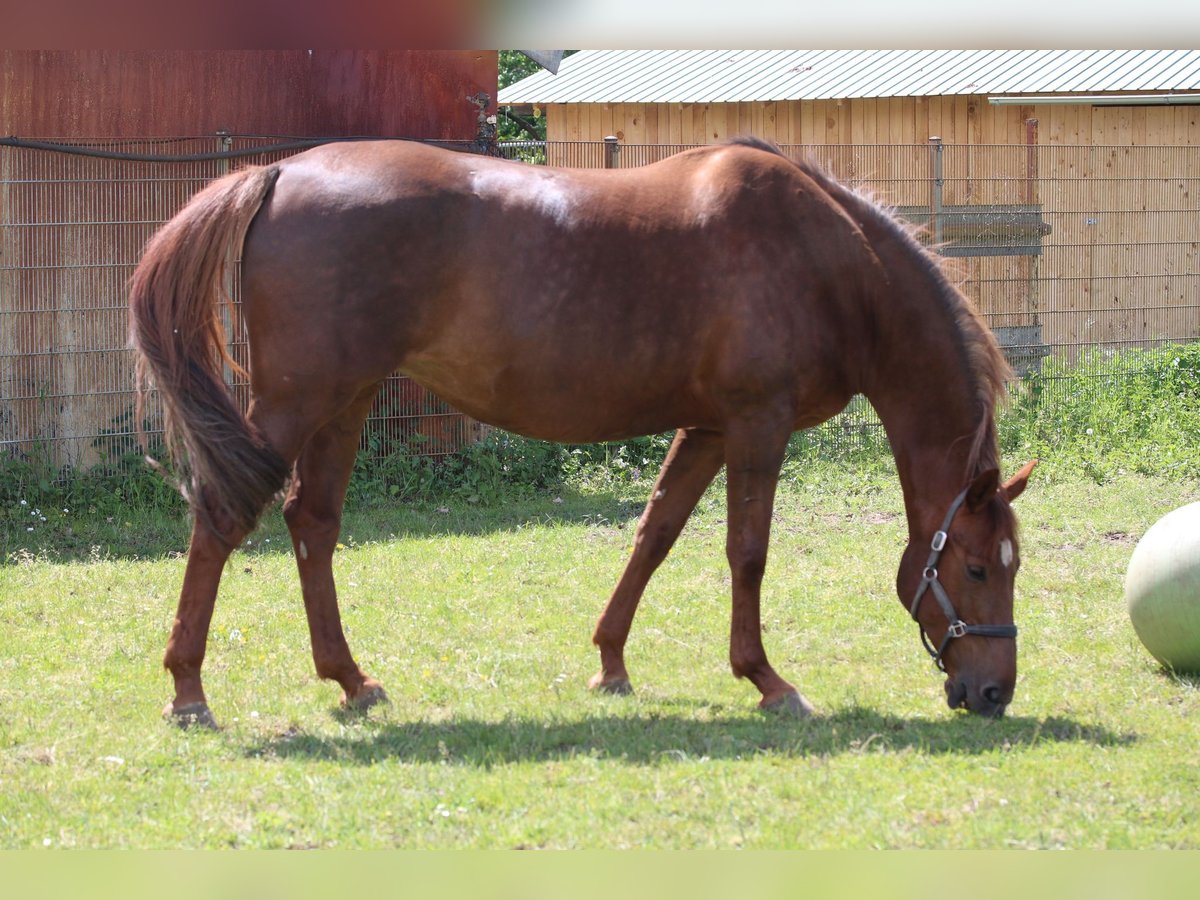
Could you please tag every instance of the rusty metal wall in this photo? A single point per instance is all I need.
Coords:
(72, 230)
(166, 93)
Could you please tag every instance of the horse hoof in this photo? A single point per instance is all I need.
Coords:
(190, 715)
(792, 704)
(619, 687)
(372, 696)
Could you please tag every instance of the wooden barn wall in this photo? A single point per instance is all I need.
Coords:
(72, 228)
(1117, 185)
(901, 120)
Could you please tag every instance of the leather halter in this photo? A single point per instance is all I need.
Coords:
(929, 582)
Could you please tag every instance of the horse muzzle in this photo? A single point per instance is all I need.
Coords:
(989, 699)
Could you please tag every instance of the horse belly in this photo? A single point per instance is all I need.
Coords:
(571, 404)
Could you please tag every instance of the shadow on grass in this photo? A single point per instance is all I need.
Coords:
(156, 535)
(650, 739)
(565, 507)
(1187, 679)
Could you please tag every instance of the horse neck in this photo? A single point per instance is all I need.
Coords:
(924, 388)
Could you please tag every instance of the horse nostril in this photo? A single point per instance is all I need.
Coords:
(993, 694)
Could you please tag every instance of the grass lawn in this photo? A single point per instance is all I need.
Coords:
(478, 620)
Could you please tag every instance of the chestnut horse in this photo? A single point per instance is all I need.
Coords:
(727, 292)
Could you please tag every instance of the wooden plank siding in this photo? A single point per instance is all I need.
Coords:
(896, 120)
(1122, 203)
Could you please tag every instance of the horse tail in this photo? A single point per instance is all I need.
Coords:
(226, 468)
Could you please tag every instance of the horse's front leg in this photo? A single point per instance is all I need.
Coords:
(754, 454)
(694, 459)
(313, 512)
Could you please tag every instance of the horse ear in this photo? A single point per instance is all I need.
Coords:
(1015, 486)
(982, 489)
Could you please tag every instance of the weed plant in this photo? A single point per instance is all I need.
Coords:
(1110, 413)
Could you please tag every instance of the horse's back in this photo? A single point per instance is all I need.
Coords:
(571, 304)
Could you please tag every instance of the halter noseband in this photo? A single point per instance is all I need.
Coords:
(929, 581)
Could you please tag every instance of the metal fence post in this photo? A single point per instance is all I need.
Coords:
(1031, 160)
(232, 268)
(224, 145)
(612, 152)
(1032, 263)
(935, 204)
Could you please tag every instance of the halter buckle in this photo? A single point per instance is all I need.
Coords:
(938, 544)
(957, 629)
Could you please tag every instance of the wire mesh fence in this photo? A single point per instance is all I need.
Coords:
(1072, 254)
(72, 229)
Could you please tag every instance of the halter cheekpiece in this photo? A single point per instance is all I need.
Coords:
(929, 582)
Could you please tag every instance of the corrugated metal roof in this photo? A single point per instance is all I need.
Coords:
(717, 76)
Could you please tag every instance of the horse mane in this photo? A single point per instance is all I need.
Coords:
(984, 362)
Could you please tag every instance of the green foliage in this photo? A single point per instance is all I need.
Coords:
(35, 490)
(1109, 413)
(853, 441)
(505, 466)
(513, 66)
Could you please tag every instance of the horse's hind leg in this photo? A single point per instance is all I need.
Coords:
(754, 454)
(694, 459)
(214, 538)
(184, 655)
(313, 512)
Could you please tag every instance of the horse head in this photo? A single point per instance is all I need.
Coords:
(958, 585)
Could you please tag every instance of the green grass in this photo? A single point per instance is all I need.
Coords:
(477, 618)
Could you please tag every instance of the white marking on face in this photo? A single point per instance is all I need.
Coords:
(303, 551)
(1006, 552)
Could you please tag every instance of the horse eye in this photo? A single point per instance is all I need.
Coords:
(977, 573)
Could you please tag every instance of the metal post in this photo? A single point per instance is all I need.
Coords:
(1031, 160)
(938, 185)
(224, 145)
(1032, 264)
(612, 152)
